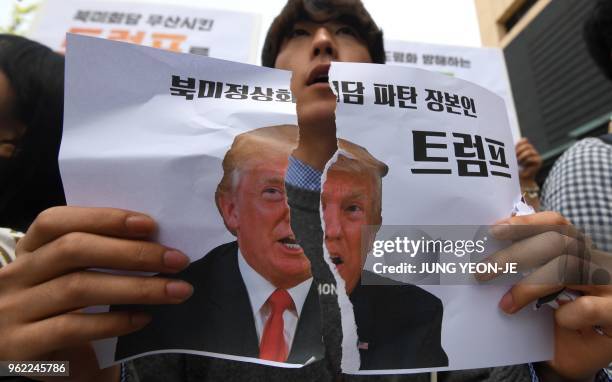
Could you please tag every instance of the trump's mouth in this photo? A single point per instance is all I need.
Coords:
(337, 260)
(290, 243)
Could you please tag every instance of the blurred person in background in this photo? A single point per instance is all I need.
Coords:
(530, 163)
(31, 108)
(579, 186)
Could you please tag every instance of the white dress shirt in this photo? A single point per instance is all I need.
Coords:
(260, 289)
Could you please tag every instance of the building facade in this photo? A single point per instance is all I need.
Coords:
(559, 92)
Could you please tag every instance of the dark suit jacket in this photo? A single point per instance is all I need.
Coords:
(400, 324)
(218, 316)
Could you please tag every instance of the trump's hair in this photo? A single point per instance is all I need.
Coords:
(270, 142)
(264, 143)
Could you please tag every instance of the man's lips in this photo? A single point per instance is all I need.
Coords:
(290, 242)
(336, 259)
(319, 74)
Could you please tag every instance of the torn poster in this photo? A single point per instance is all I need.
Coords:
(440, 152)
(201, 145)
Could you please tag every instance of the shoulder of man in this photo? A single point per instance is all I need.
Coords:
(221, 257)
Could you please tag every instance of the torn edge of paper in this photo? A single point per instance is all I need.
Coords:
(351, 360)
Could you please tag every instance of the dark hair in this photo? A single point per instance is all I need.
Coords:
(350, 12)
(31, 180)
(598, 35)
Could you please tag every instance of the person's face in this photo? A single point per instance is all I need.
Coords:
(307, 51)
(11, 130)
(347, 201)
(258, 212)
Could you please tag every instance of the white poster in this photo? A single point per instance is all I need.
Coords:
(202, 146)
(483, 66)
(152, 136)
(446, 156)
(216, 33)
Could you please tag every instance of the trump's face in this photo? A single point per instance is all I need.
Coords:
(257, 211)
(347, 201)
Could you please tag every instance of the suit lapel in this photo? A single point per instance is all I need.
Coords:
(234, 309)
(307, 342)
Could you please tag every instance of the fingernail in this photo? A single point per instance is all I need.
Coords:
(179, 289)
(175, 260)
(507, 303)
(139, 224)
(139, 319)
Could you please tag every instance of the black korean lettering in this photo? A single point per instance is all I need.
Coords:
(407, 97)
(498, 157)
(189, 23)
(421, 145)
(351, 92)
(183, 87)
(465, 63)
(452, 61)
(155, 20)
(398, 57)
(82, 16)
(384, 95)
(237, 91)
(470, 167)
(205, 24)
(435, 100)
(116, 18)
(452, 103)
(259, 95)
(412, 58)
(210, 89)
(99, 17)
(284, 95)
(468, 106)
(132, 18)
(172, 22)
(440, 60)
(428, 59)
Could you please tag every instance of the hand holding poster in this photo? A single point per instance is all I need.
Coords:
(201, 145)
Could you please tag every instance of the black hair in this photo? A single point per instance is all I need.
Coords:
(598, 35)
(30, 179)
(350, 12)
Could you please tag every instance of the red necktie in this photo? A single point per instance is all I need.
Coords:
(273, 346)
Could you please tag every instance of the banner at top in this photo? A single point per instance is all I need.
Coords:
(209, 32)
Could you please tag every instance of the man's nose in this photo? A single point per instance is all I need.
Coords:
(333, 229)
(323, 44)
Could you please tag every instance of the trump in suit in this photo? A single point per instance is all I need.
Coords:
(398, 325)
(253, 297)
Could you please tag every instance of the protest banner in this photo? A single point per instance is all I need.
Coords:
(483, 66)
(221, 34)
(202, 144)
(450, 159)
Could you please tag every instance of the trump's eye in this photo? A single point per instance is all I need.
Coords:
(272, 194)
(354, 211)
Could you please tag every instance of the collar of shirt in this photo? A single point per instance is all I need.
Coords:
(259, 289)
(301, 175)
